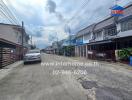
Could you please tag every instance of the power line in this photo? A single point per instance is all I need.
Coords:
(4, 15)
(8, 13)
(77, 13)
(16, 17)
(8, 10)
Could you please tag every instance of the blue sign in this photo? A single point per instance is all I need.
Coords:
(117, 10)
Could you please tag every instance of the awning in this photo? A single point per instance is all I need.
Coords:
(124, 34)
(100, 42)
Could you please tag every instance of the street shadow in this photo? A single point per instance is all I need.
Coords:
(32, 63)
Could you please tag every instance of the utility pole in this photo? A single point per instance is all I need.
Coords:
(31, 40)
(22, 40)
(70, 40)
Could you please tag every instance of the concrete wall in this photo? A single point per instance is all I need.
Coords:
(8, 32)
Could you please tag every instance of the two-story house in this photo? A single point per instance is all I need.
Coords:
(11, 43)
(83, 38)
(105, 37)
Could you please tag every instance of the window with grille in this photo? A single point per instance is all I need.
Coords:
(126, 25)
(110, 31)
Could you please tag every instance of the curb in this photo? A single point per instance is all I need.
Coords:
(8, 69)
(14, 65)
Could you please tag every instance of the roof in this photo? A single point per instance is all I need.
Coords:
(107, 22)
(9, 42)
(10, 24)
(86, 30)
(16, 27)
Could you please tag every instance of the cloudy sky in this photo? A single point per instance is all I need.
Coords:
(50, 20)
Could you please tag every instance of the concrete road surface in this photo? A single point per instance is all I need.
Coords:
(63, 78)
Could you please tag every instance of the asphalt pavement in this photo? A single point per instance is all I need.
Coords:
(64, 78)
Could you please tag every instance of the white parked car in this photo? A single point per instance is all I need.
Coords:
(32, 55)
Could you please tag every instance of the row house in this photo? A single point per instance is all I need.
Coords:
(83, 38)
(11, 43)
(101, 40)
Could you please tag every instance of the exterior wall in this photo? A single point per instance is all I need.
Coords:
(8, 32)
(12, 33)
(104, 23)
(99, 36)
(125, 27)
(87, 37)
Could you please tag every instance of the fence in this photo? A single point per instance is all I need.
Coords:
(106, 55)
(7, 56)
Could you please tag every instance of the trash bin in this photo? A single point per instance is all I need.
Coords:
(131, 60)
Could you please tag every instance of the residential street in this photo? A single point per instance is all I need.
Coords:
(39, 82)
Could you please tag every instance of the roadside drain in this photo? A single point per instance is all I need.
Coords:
(89, 84)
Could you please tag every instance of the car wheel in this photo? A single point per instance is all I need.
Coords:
(25, 63)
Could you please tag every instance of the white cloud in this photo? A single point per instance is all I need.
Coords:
(44, 25)
(47, 34)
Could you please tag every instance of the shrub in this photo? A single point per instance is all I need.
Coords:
(125, 53)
